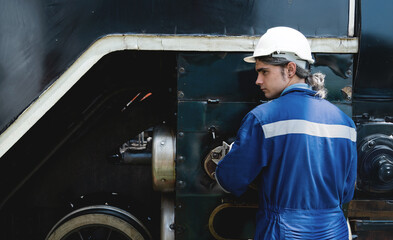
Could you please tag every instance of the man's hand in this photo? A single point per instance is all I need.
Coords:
(214, 157)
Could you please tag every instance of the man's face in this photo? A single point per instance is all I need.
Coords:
(271, 79)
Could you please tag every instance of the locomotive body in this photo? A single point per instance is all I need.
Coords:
(110, 107)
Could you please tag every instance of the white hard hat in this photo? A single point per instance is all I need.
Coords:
(283, 42)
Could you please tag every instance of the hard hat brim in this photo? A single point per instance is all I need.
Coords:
(250, 59)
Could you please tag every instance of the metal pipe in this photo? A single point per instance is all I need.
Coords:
(143, 158)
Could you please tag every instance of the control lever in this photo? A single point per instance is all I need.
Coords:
(212, 130)
(214, 157)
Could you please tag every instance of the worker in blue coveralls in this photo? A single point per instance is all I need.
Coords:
(302, 146)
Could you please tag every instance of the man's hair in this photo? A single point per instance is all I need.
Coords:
(316, 80)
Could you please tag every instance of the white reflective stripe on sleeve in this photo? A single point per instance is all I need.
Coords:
(310, 128)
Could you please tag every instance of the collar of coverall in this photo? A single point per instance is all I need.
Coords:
(296, 85)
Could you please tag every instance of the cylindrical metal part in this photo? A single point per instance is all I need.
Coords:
(143, 158)
(163, 159)
(167, 216)
(136, 158)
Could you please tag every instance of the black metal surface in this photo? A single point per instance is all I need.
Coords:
(204, 124)
(40, 39)
(131, 158)
(374, 225)
(375, 164)
(55, 167)
(374, 78)
(234, 221)
(215, 91)
(373, 99)
(374, 155)
(216, 76)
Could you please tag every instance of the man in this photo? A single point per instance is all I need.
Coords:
(302, 147)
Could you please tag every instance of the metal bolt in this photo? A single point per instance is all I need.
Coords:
(181, 184)
(371, 144)
(182, 70)
(180, 159)
(181, 134)
(172, 226)
(180, 94)
(215, 155)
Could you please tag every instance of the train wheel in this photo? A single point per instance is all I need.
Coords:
(99, 222)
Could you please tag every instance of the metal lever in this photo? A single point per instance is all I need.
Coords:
(212, 130)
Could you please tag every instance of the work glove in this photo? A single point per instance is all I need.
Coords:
(214, 157)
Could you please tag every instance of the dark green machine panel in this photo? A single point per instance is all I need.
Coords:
(213, 76)
(215, 91)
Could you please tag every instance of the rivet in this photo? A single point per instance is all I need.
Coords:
(180, 159)
(180, 94)
(181, 184)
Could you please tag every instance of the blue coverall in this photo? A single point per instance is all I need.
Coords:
(304, 149)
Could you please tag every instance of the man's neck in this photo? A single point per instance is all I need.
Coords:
(295, 79)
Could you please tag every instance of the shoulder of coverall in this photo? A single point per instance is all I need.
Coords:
(333, 110)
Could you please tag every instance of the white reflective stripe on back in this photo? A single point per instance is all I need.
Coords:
(309, 128)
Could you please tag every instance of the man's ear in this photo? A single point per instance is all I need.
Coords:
(291, 69)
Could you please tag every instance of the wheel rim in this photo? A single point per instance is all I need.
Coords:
(99, 222)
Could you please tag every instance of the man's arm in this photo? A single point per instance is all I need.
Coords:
(245, 160)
